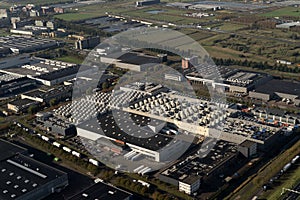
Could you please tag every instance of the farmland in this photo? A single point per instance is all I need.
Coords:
(287, 11)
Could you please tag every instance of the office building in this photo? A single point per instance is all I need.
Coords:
(189, 185)
(248, 148)
(189, 62)
(88, 43)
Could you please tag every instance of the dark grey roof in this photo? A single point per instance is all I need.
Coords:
(102, 191)
(247, 144)
(22, 102)
(191, 179)
(198, 166)
(281, 86)
(20, 174)
(111, 124)
(59, 73)
(35, 93)
(8, 149)
(44, 94)
(138, 59)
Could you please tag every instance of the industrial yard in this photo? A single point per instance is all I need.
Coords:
(149, 99)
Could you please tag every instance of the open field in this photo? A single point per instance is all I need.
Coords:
(219, 52)
(200, 35)
(290, 180)
(7, 3)
(129, 10)
(231, 27)
(87, 12)
(254, 45)
(96, 10)
(288, 11)
(70, 59)
(78, 16)
(166, 15)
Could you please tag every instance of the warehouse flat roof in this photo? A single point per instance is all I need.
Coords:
(119, 127)
(134, 58)
(38, 66)
(18, 71)
(8, 149)
(20, 174)
(21, 102)
(102, 191)
(60, 73)
(191, 179)
(35, 93)
(281, 86)
(247, 144)
(25, 43)
(196, 166)
(44, 94)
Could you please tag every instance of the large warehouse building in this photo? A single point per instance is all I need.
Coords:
(278, 89)
(132, 61)
(24, 178)
(150, 113)
(159, 147)
(235, 81)
(23, 44)
(46, 71)
(102, 191)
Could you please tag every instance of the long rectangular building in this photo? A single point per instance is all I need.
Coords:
(23, 178)
(103, 191)
(23, 44)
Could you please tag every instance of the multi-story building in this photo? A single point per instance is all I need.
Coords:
(189, 185)
(87, 43)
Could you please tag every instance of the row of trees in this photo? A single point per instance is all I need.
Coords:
(62, 154)
(37, 107)
(257, 65)
(81, 27)
(133, 186)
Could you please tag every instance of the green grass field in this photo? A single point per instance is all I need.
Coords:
(267, 172)
(70, 59)
(78, 16)
(6, 4)
(92, 11)
(287, 11)
(231, 27)
(290, 181)
(128, 10)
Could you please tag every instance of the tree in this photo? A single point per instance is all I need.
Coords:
(259, 51)
(105, 85)
(53, 102)
(32, 109)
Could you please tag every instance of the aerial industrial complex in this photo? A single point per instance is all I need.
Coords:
(118, 100)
